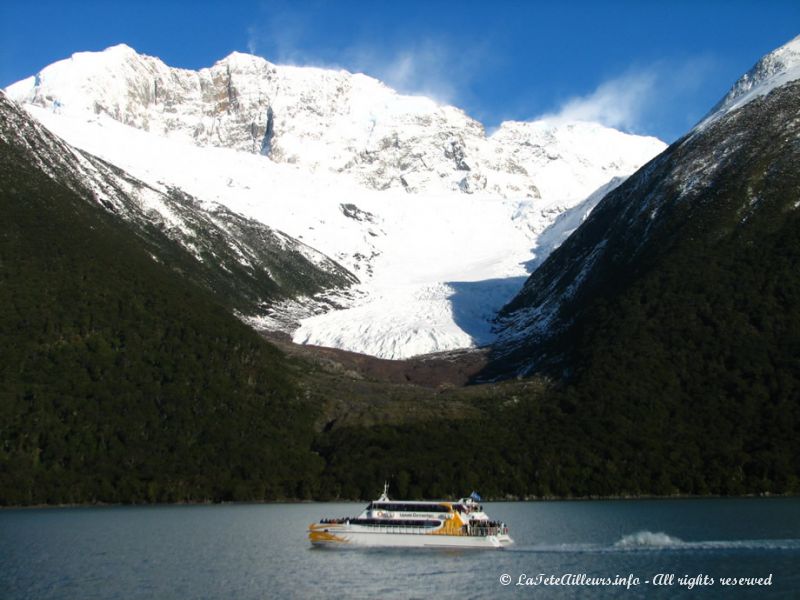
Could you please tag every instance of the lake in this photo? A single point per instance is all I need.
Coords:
(261, 551)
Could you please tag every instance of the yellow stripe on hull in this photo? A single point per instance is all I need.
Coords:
(321, 534)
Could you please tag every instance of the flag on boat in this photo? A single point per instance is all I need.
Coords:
(475, 496)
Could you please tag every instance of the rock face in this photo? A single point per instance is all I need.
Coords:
(694, 229)
(338, 121)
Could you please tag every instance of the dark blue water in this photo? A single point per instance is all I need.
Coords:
(261, 551)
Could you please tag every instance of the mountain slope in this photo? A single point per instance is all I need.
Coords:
(122, 381)
(712, 200)
(671, 317)
(251, 267)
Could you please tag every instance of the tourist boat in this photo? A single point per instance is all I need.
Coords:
(393, 523)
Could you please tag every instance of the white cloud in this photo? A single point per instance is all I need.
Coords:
(252, 40)
(279, 33)
(618, 102)
(639, 98)
(425, 68)
(437, 68)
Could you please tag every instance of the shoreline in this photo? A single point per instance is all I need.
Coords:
(621, 498)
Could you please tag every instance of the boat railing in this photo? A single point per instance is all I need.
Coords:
(481, 531)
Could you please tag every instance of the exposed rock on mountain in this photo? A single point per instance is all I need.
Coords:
(333, 120)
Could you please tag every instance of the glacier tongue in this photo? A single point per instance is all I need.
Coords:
(437, 219)
(405, 320)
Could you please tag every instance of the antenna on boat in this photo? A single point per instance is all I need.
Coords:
(385, 495)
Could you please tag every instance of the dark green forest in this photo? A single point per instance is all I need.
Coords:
(121, 382)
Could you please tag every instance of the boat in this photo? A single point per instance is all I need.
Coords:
(411, 524)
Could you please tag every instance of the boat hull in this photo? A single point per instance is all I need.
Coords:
(327, 536)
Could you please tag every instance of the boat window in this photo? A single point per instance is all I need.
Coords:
(396, 507)
(397, 522)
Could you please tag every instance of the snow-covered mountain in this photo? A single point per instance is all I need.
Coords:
(333, 120)
(720, 191)
(437, 219)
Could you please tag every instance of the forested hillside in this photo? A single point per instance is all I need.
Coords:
(121, 381)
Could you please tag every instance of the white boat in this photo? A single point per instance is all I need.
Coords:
(411, 524)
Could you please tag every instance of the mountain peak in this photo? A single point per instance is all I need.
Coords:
(111, 54)
(775, 69)
(121, 48)
(242, 59)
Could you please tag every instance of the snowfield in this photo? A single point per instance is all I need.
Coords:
(437, 254)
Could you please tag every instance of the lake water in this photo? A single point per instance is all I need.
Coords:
(261, 551)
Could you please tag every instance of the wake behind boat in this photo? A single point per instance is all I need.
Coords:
(392, 523)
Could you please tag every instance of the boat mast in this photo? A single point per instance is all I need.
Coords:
(385, 495)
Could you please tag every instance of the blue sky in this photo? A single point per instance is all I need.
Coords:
(643, 66)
